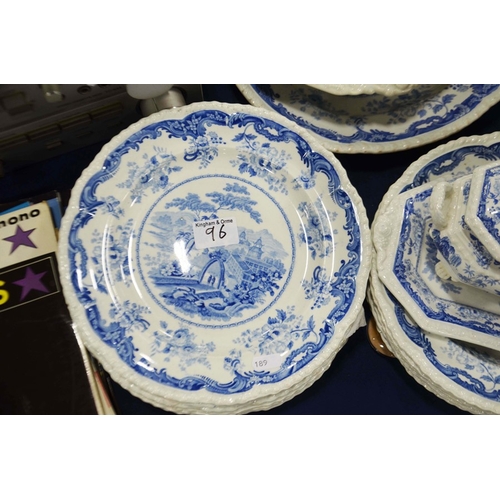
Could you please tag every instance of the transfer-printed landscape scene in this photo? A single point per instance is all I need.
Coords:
(223, 284)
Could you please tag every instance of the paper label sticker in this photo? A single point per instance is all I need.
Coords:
(215, 233)
(266, 363)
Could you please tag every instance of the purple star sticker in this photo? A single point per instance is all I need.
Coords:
(20, 238)
(31, 281)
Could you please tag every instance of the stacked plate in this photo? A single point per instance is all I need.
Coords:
(432, 309)
(376, 118)
(215, 259)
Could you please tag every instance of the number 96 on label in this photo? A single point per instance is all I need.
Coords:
(215, 233)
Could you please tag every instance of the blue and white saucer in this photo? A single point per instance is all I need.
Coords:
(376, 123)
(214, 259)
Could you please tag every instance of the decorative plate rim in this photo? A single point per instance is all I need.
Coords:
(364, 147)
(261, 396)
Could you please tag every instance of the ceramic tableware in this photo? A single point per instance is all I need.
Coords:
(214, 259)
(463, 374)
(461, 256)
(483, 209)
(406, 264)
(377, 123)
(387, 89)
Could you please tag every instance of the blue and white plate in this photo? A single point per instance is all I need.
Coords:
(465, 375)
(215, 258)
(377, 123)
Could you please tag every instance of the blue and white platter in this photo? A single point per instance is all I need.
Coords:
(462, 373)
(377, 123)
(215, 258)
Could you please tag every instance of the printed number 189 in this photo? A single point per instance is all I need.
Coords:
(261, 363)
(267, 362)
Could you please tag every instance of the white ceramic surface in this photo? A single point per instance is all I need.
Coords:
(387, 89)
(179, 315)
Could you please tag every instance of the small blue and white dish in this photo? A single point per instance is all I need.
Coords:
(406, 262)
(483, 208)
(462, 257)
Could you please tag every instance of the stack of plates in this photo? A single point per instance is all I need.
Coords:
(215, 259)
(376, 118)
(447, 338)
